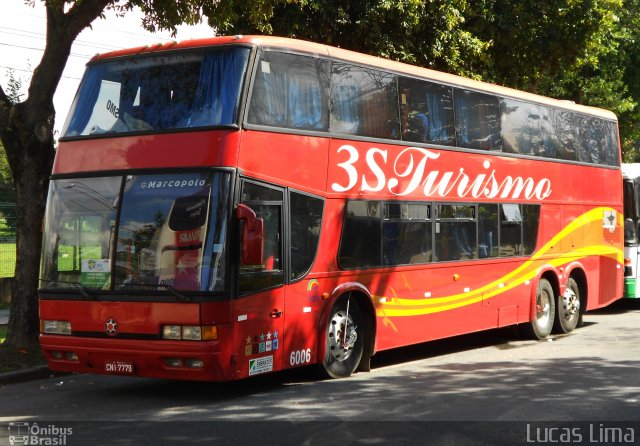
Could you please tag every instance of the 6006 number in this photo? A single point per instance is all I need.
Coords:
(300, 357)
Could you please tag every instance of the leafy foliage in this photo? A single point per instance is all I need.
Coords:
(569, 49)
(429, 34)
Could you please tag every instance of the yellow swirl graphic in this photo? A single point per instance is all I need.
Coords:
(588, 229)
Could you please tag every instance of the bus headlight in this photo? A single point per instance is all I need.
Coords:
(190, 332)
(171, 332)
(56, 327)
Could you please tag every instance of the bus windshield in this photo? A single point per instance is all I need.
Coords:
(137, 232)
(151, 93)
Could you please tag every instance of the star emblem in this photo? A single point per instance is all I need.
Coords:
(111, 327)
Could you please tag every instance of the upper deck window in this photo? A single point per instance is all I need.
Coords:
(364, 102)
(291, 91)
(426, 112)
(477, 120)
(153, 93)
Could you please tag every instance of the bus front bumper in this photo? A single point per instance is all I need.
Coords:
(180, 360)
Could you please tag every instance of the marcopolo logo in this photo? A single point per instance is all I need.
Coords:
(34, 434)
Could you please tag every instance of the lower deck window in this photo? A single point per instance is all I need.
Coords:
(379, 233)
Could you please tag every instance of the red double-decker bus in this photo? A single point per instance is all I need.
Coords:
(233, 206)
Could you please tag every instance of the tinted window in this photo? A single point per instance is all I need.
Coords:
(510, 230)
(172, 91)
(477, 120)
(364, 102)
(590, 133)
(455, 233)
(267, 204)
(520, 122)
(557, 134)
(306, 220)
(162, 231)
(426, 111)
(361, 235)
(531, 216)
(488, 223)
(611, 144)
(290, 91)
(79, 223)
(406, 233)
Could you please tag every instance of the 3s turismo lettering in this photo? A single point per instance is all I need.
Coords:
(411, 168)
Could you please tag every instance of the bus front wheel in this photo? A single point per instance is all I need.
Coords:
(344, 339)
(544, 311)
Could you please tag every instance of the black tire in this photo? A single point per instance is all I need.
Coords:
(342, 357)
(544, 311)
(568, 311)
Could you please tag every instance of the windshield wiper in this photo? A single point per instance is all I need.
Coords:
(173, 291)
(78, 286)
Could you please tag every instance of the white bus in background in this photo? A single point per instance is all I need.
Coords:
(631, 187)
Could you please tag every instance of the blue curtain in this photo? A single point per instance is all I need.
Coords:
(346, 109)
(435, 105)
(219, 85)
(305, 108)
(462, 108)
(86, 99)
(275, 87)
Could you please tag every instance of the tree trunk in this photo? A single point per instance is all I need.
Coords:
(31, 154)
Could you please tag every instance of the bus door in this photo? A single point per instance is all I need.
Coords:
(259, 307)
(631, 233)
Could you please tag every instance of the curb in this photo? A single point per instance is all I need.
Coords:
(29, 374)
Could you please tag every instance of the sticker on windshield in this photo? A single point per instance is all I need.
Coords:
(95, 273)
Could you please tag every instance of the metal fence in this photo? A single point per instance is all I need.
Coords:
(7, 239)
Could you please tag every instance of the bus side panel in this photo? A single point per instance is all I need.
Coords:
(303, 308)
(302, 160)
(207, 148)
(415, 305)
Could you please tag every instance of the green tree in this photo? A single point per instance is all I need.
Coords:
(7, 191)
(430, 34)
(580, 50)
(26, 129)
(627, 61)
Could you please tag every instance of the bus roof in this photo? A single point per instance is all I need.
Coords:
(312, 48)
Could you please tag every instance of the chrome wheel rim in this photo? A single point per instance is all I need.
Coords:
(570, 305)
(342, 336)
(543, 309)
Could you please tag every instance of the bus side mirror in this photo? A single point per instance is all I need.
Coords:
(252, 242)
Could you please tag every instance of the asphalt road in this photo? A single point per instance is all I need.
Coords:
(487, 388)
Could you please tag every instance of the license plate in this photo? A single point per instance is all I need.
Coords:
(119, 367)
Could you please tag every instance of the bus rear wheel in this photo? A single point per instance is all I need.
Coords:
(544, 311)
(344, 339)
(568, 308)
